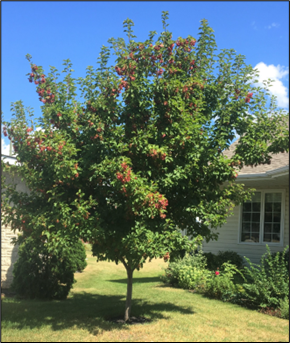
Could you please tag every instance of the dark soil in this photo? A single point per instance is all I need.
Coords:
(271, 311)
(131, 321)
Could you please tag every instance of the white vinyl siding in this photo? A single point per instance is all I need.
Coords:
(229, 236)
(9, 252)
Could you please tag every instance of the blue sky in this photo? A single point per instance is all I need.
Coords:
(53, 31)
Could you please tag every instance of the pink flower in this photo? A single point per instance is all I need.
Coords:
(217, 273)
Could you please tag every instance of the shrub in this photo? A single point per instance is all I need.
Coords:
(177, 255)
(221, 283)
(267, 283)
(38, 274)
(193, 265)
(215, 261)
(231, 257)
(284, 308)
(193, 278)
(286, 257)
(78, 260)
(211, 260)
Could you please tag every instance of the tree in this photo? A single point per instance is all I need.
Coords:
(127, 174)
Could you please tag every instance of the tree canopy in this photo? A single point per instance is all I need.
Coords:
(139, 157)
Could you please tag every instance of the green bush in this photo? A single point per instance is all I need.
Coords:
(176, 272)
(231, 257)
(267, 284)
(211, 261)
(39, 274)
(193, 278)
(215, 261)
(78, 261)
(177, 255)
(193, 272)
(221, 284)
(286, 257)
(284, 308)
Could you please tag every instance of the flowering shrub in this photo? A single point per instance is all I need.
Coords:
(221, 284)
(265, 286)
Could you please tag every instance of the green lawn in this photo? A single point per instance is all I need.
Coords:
(177, 315)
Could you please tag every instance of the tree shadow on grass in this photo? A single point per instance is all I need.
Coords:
(86, 311)
(138, 280)
(245, 303)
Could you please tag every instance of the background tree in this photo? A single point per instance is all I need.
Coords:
(126, 174)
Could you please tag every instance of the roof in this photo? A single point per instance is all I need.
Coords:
(277, 161)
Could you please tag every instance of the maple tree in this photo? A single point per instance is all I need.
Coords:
(140, 156)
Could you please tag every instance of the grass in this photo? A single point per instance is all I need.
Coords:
(177, 315)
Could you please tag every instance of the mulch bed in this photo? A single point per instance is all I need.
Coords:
(131, 321)
(271, 311)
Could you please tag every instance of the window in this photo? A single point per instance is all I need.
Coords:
(261, 219)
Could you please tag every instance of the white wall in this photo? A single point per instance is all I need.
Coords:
(9, 252)
(228, 237)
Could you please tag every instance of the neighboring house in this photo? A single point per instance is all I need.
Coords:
(264, 219)
(9, 252)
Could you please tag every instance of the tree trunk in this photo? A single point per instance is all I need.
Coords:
(129, 293)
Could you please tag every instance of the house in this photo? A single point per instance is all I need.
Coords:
(264, 219)
(9, 252)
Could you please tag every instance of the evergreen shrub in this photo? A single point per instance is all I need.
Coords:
(215, 261)
(39, 274)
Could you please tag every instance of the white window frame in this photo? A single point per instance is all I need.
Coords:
(261, 232)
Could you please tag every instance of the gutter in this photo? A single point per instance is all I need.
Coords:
(268, 175)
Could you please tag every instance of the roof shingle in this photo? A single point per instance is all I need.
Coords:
(277, 161)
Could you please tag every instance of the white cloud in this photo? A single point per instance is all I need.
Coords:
(4, 147)
(272, 25)
(39, 129)
(275, 73)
